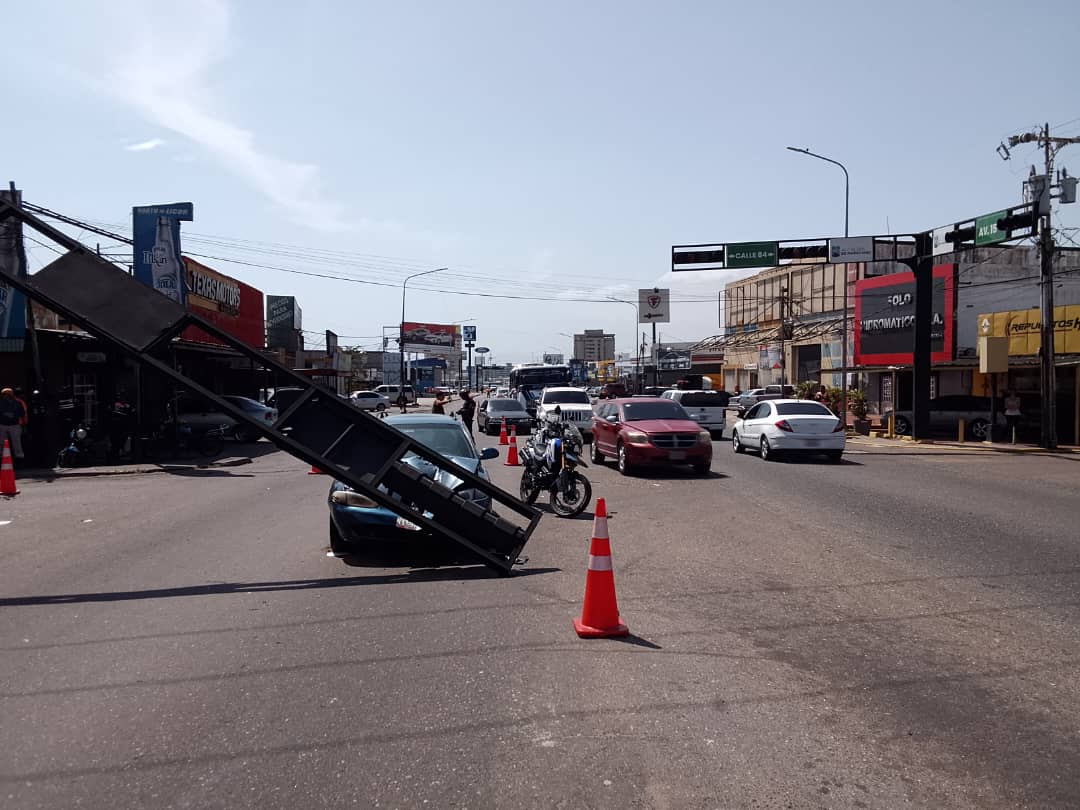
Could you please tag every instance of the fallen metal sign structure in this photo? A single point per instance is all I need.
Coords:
(319, 427)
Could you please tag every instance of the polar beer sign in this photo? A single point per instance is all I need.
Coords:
(885, 318)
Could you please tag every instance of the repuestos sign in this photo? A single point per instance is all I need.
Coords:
(885, 318)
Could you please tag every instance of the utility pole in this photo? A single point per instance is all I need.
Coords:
(783, 357)
(655, 358)
(1041, 189)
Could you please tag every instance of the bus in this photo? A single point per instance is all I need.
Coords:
(532, 378)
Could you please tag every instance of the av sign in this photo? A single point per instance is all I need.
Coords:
(654, 305)
(885, 318)
(986, 229)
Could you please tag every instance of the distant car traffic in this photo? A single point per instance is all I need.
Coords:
(613, 391)
(946, 413)
(707, 408)
(492, 412)
(245, 433)
(356, 519)
(370, 400)
(574, 406)
(392, 392)
(784, 426)
(649, 432)
(756, 395)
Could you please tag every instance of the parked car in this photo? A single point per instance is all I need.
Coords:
(707, 408)
(245, 433)
(282, 398)
(356, 519)
(785, 426)
(392, 392)
(574, 406)
(200, 415)
(492, 412)
(946, 413)
(369, 400)
(647, 432)
(757, 395)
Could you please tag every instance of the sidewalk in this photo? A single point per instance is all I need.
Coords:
(46, 474)
(989, 447)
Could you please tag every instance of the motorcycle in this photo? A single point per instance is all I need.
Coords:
(172, 439)
(550, 461)
(80, 449)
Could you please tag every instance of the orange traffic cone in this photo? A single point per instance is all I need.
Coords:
(512, 454)
(315, 471)
(600, 612)
(502, 433)
(7, 472)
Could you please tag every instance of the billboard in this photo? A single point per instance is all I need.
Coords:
(431, 338)
(578, 372)
(1023, 328)
(885, 318)
(283, 321)
(554, 359)
(156, 232)
(230, 305)
(468, 334)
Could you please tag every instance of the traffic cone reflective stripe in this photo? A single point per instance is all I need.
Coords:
(502, 433)
(512, 453)
(7, 472)
(600, 610)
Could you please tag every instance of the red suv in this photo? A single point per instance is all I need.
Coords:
(646, 431)
(613, 390)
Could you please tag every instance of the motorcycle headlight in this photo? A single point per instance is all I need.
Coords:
(704, 437)
(81, 434)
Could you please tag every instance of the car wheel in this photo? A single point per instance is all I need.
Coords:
(765, 450)
(980, 429)
(736, 443)
(595, 455)
(901, 426)
(338, 545)
(835, 456)
(702, 467)
(623, 460)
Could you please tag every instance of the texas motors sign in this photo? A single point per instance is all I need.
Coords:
(885, 318)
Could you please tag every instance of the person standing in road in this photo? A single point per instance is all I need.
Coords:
(467, 410)
(12, 416)
(439, 405)
(1012, 412)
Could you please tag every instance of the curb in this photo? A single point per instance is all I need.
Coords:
(102, 472)
(986, 447)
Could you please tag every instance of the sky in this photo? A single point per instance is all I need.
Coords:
(547, 154)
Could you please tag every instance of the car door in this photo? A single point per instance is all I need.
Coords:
(604, 430)
(751, 425)
(482, 416)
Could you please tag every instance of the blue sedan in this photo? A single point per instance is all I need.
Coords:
(356, 519)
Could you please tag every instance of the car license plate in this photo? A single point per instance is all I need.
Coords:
(677, 455)
(813, 443)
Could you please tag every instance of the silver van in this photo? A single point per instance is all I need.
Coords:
(707, 408)
(391, 392)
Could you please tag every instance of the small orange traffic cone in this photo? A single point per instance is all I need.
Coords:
(600, 612)
(502, 433)
(512, 454)
(315, 471)
(7, 472)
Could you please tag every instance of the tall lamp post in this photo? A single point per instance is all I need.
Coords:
(844, 320)
(637, 350)
(401, 334)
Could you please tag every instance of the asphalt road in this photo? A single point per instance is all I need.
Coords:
(897, 630)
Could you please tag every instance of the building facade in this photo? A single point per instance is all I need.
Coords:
(594, 346)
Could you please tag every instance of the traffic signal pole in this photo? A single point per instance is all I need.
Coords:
(923, 265)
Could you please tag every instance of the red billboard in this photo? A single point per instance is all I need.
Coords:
(230, 305)
(433, 338)
(885, 318)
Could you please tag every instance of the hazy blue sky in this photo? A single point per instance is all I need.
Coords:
(550, 149)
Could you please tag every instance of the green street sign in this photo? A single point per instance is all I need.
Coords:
(751, 254)
(986, 229)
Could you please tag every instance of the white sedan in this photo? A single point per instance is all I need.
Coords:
(369, 400)
(779, 426)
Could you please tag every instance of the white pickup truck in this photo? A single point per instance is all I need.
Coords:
(574, 405)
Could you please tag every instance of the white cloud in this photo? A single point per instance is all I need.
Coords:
(145, 146)
(163, 73)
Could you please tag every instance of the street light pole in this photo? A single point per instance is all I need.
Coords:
(844, 320)
(401, 334)
(637, 350)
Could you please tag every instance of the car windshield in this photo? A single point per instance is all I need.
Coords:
(447, 439)
(802, 409)
(566, 398)
(245, 403)
(642, 411)
(504, 406)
